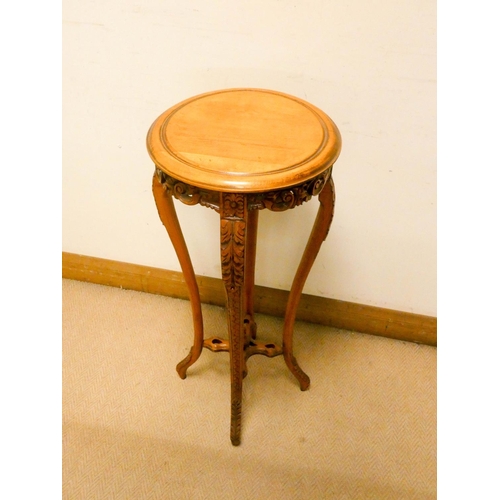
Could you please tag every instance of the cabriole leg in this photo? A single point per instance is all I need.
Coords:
(318, 235)
(168, 216)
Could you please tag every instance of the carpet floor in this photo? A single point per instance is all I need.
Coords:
(132, 429)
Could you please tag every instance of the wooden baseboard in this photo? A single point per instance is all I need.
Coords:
(331, 312)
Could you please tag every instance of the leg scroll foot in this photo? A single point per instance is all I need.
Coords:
(185, 364)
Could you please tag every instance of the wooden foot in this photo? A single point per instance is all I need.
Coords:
(168, 215)
(318, 235)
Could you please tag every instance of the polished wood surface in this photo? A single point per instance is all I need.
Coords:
(168, 215)
(244, 140)
(239, 151)
(318, 235)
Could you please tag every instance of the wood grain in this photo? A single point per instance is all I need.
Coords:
(243, 140)
(361, 318)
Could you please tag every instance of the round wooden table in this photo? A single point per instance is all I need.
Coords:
(239, 151)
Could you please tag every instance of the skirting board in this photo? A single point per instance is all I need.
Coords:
(320, 310)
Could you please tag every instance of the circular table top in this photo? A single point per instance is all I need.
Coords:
(243, 140)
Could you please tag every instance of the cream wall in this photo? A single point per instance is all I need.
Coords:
(370, 65)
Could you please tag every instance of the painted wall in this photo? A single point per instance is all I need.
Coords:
(370, 65)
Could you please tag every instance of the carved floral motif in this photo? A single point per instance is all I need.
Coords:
(233, 228)
(233, 205)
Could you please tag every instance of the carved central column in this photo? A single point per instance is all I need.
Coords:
(233, 220)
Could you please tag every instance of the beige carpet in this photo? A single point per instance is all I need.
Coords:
(132, 429)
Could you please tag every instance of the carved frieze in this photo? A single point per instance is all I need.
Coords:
(277, 201)
(190, 195)
(292, 197)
